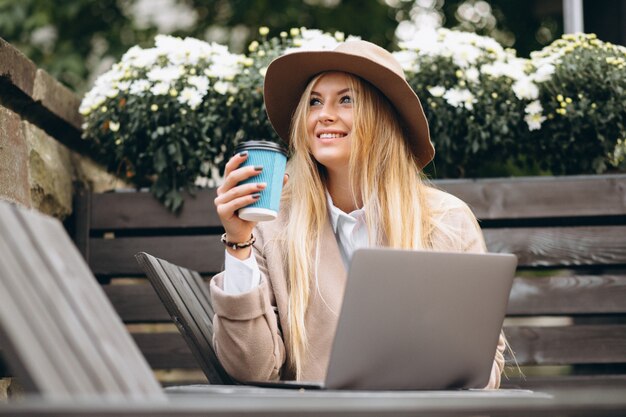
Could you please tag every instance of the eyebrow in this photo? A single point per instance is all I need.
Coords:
(345, 90)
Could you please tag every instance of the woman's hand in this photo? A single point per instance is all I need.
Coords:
(231, 197)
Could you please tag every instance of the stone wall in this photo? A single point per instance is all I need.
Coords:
(42, 156)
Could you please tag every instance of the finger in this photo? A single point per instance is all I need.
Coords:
(234, 162)
(285, 179)
(229, 209)
(239, 191)
(239, 175)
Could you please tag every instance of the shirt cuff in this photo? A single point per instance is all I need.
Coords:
(240, 276)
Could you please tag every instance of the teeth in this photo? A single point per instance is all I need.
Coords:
(331, 135)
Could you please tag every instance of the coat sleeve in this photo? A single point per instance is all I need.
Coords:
(246, 335)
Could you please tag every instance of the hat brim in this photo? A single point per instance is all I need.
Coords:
(287, 77)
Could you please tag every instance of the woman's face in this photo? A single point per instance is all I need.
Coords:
(329, 123)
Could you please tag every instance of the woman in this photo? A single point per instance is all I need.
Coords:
(358, 138)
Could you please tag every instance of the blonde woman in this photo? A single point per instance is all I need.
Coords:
(358, 139)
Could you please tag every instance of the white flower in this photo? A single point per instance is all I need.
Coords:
(123, 85)
(199, 82)
(226, 66)
(463, 47)
(140, 58)
(436, 91)
(139, 87)
(460, 98)
(534, 107)
(166, 75)
(221, 87)
(191, 97)
(513, 68)
(543, 73)
(203, 182)
(534, 121)
(472, 74)
(160, 89)
(407, 59)
(114, 127)
(525, 89)
(465, 55)
(316, 40)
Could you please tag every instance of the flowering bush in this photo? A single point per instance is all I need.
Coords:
(170, 116)
(584, 106)
(479, 98)
(163, 116)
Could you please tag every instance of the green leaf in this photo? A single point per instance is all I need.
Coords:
(160, 160)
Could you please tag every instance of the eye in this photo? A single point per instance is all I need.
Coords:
(314, 101)
(346, 100)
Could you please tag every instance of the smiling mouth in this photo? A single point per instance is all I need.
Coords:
(331, 135)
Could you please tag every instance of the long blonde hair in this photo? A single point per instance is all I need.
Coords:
(382, 173)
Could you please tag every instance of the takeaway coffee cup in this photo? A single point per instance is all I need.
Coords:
(273, 158)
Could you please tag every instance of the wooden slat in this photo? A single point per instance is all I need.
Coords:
(551, 295)
(204, 254)
(196, 318)
(33, 336)
(532, 346)
(540, 197)
(561, 246)
(115, 349)
(140, 210)
(82, 220)
(189, 306)
(549, 247)
(502, 198)
(166, 350)
(567, 345)
(568, 294)
(137, 303)
(60, 330)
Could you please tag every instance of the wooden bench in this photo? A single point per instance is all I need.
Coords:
(567, 311)
(60, 334)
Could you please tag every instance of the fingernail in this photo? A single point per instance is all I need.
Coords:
(256, 195)
(258, 168)
(287, 175)
(244, 153)
(261, 185)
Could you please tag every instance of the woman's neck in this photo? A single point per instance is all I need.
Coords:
(340, 191)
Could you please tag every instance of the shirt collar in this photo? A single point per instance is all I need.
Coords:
(336, 213)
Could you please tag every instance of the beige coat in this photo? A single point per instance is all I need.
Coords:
(249, 327)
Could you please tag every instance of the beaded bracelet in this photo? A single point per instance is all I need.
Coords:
(238, 245)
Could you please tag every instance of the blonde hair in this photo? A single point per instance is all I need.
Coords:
(383, 174)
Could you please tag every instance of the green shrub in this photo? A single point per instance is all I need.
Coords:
(584, 103)
(476, 96)
(162, 116)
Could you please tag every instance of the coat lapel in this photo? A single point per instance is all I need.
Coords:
(331, 265)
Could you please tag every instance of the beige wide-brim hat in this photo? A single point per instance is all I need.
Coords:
(288, 75)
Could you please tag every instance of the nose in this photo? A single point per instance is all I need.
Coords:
(327, 114)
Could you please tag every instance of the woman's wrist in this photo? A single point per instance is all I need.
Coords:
(238, 243)
(238, 247)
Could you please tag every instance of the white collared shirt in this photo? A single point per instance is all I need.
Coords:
(350, 231)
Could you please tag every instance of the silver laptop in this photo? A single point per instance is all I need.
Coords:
(418, 320)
